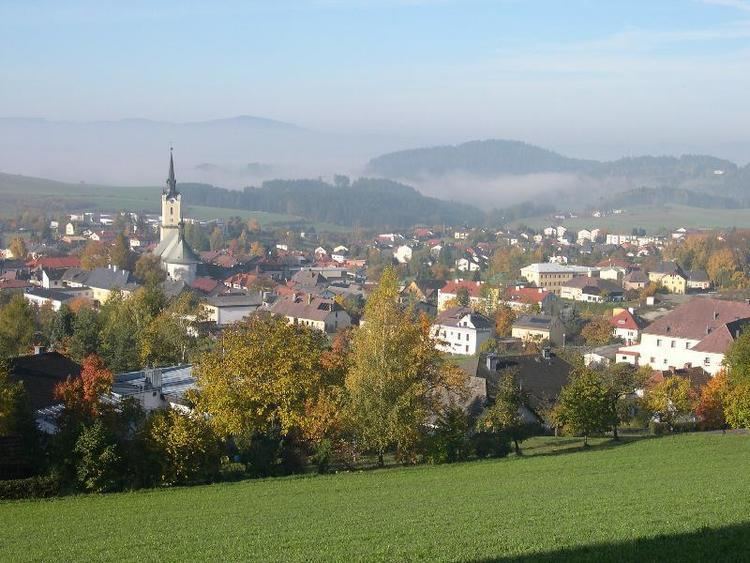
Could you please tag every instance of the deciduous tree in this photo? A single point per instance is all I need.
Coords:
(737, 406)
(710, 409)
(584, 406)
(16, 327)
(597, 332)
(670, 400)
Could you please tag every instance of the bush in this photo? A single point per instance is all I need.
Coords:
(491, 444)
(449, 441)
(99, 464)
(34, 487)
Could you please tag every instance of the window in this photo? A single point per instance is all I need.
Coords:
(674, 344)
(707, 361)
(467, 337)
(467, 347)
(664, 361)
(652, 360)
(171, 210)
(658, 342)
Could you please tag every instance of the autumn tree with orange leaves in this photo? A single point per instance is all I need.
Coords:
(82, 396)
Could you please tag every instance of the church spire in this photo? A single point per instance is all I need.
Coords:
(171, 182)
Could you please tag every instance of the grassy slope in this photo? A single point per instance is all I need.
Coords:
(673, 498)
(19, 192)
(654, 219)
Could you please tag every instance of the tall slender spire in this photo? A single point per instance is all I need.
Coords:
(171, 182)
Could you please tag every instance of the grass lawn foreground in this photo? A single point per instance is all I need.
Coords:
(676, 498)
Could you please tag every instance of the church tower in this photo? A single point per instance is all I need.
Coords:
(171, 205)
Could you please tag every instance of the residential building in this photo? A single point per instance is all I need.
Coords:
(695, 334)
(539, 328)
(554, 276)
(523, 298)
(451, 289)
(670, 276)
(634, 280)
(697, 280)
(232, 308)
(626, 326)
(316, 312)
(591, 290)
(459, 330)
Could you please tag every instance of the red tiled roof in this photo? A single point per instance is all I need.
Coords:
(54, 262)
(527, 295)
(624, 319)
(472, 287)
(205, 284)
(14, 284)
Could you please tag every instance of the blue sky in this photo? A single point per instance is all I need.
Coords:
(589, 71)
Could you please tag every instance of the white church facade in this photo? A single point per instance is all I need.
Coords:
(177, 258)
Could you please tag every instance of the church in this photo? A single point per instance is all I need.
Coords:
(177, 258)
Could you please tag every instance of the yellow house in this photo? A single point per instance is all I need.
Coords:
(674, 283)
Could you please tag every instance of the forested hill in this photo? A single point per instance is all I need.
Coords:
(366, 202)
(481, 158)
(500, 157)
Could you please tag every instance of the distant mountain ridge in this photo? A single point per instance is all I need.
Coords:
(500, 157)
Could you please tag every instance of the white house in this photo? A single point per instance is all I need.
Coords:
(695, 334)
(228, 309)
(467, 265)
(403, 253)
(317, 312)
(460, 331)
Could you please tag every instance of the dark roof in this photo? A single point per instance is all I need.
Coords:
(455, 315)
(636, 276)
(668, 268)
(75, 275)
(309, 278)
(307, 307)
(697, 276)
(51, 294)
(107, 278)
(539, 322)
(40, 373)
(235, 300)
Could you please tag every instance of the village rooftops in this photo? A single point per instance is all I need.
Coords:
(697, 318)
(308, 307)
(550, 268)
(534, 322)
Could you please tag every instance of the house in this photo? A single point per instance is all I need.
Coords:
(670, 276)
(308, 280)
(697, 280)
(55, 298)
(591, 290)
(232, 308)
(155, 388)
(104, 281)
(422, 290)
(553, 276)
(626, 326)
(601, 356)
(695, 334)
(634, 280)
(459, 330)
(539, 328)
(403, 253)
(451, 289)
(40, 374)
(613, 273)
(522, 298)
(317, 312)
(467, 265)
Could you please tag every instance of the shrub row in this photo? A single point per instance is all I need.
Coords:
(34, 487)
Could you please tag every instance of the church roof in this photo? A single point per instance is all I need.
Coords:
(171, 190)
(179, 252)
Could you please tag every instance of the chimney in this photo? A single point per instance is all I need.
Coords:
(38, 349)
(153, 378)
(546, 353)
(491, 361)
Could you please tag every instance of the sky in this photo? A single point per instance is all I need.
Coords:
(590, 77)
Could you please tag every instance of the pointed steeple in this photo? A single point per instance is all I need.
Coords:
(171, 190)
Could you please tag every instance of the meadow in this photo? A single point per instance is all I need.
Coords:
(682, 497)
(654, 219)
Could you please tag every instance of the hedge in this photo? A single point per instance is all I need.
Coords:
(33, 487)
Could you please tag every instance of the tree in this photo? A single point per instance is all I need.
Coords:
(120, 254)
(597, 332)
(86, 337)
(61, 328)
(261, 376)
(621, 381)
(257, 249)
(396, 376)
(94, 255)
(462, 297)
(504, 415)
(737, 406)
(186, 446)
(82, 396)
(584, 405)
(449, 440)
(16, 327)
(171, 336)
(120, 331)
(216, 240)
(670, 400)
(721, 265)
(196, 237)
(16, 415)
(148, 270)
(505, 316)
(710, 409)
(18, 248)
(99, 464)
(737, 359)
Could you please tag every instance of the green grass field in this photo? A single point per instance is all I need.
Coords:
(664, 499)
(653, 219)
(20, 192)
